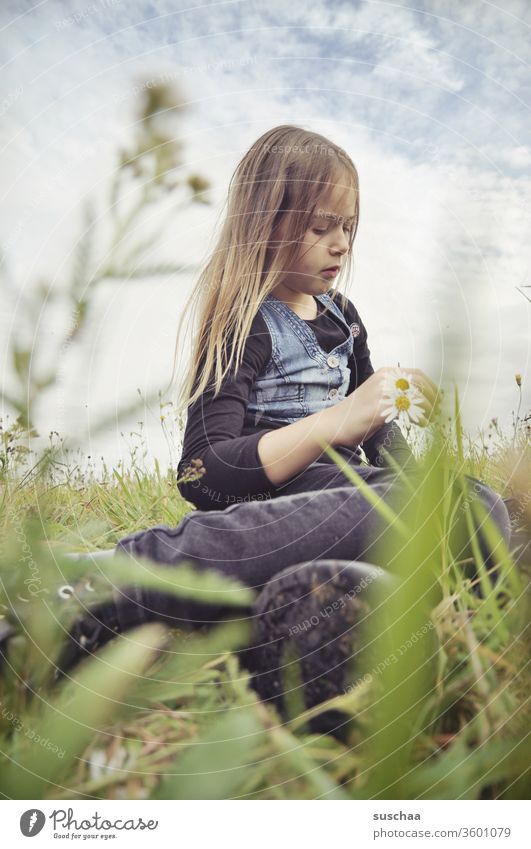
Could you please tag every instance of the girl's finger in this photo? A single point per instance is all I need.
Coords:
(426, 386)
(418, 374)
(431, 410)
(426, 394)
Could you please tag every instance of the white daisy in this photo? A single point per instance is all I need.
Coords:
(398, 380)
(403, 398)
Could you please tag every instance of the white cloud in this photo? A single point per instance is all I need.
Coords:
(517, 157)
(429, 103)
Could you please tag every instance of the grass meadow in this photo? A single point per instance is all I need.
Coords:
(168, 713)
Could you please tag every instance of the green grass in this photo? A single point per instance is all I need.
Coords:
(169, 714)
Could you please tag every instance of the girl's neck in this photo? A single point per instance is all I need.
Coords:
(305, 306)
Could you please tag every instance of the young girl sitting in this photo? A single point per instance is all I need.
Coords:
(280, 367)
(280, 362)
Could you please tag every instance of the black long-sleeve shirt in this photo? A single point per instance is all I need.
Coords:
(224, 435)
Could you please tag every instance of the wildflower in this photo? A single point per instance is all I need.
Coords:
(399, 380)
(194, 470)
(518, 378)
(403, 398)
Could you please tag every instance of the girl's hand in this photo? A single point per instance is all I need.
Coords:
(362, 413)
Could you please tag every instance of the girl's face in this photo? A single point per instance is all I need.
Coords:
(324, 245)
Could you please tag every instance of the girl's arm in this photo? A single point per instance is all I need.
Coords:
(388, 436)
(285, 452)
(216, 434)
(358, 419)
(290, 449)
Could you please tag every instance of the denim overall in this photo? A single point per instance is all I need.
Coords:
(300, 378)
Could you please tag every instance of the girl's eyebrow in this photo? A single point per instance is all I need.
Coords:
(332, 216)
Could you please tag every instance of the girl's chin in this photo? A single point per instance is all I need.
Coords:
(318, 287)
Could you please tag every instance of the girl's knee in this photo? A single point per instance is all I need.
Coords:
(494, 505)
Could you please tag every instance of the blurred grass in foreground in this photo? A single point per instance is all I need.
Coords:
(169, 714)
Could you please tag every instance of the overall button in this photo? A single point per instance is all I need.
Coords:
(333, 393)
(332, 361)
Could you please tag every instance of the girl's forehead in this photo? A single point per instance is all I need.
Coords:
(338, 201)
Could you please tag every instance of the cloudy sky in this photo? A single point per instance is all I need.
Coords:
(432, 104)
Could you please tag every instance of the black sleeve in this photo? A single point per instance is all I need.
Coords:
(389, 436)
(213, 434)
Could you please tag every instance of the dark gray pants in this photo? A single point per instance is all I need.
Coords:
(320, 515)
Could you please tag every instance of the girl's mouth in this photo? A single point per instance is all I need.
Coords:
(331, 272)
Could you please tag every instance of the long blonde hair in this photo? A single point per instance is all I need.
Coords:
(278, 181)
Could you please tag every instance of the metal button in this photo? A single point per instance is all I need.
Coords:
(332, 361)
(333, 393)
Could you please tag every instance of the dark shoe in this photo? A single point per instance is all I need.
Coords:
(307, 645)
(128, 608)
(94, 628)
(6, 632)
(131, 607)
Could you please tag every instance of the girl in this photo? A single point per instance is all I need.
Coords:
(280, 367)
(280, 363)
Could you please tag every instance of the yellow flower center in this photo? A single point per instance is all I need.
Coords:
(402, 384)
(402, 403)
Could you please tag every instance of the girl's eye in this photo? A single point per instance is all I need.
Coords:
(318, 231)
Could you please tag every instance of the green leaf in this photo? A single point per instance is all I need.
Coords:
(52, 740)
(219, 764)
(183, 580)
(463, 772)
(188, 660)
(379, 504)
(21, 361)
(140, 272)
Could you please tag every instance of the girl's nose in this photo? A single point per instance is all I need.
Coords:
(340, 241)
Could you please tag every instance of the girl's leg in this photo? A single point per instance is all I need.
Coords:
(497, 511)
(309, 636)
(253, 541)
(250, 541)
